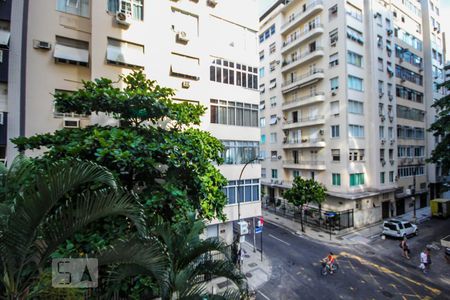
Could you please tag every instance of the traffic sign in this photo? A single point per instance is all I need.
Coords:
(258, 229)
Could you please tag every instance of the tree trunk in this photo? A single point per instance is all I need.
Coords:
(301, 217)
(320, 213)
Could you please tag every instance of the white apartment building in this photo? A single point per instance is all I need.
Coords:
(343, 101)
(204, 49)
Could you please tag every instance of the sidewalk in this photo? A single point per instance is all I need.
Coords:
(354, 236)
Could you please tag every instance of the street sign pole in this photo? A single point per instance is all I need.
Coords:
(254, 235)
(261, 246)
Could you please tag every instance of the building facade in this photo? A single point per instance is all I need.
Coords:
(205, 50)
(5, 33)
(344, 101)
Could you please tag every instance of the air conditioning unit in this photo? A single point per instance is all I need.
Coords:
(435, 28)
(383, 118)
(383, 162)
(41, 45)
(333, 93)
(391, 97)
(389, 31)
(391, 119)
(392, 162)
(71, 123)
(392, 142)
(333, 44)
(383, 141)
(123, 18)
(185, 84)
(182, 37)
(212, 2)
(380, 94)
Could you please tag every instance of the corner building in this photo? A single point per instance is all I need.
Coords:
(206, 50)
(343, 101)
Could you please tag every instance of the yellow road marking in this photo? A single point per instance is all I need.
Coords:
(388, 271)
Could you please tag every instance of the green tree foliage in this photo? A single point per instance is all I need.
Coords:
(441, 127)
(42, 211)
(188, 262)
(156, 149)
(304, 191)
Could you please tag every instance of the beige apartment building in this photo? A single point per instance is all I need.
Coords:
(204, 49)
(344, 91)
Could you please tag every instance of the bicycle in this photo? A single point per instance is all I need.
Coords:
(327, 270)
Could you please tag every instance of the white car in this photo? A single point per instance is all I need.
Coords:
(397, 228)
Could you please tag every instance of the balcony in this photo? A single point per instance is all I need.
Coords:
(298, 38)
(304, 122)
(296, 101)
(301, 59)
(301, 15)
(302, 80)
(304, 143)
(304, 164)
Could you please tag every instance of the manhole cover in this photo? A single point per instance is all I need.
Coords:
(252, 265)
(387, 294)
(249, 275)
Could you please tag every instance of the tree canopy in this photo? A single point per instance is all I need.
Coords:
(441, 127)
(156, 149)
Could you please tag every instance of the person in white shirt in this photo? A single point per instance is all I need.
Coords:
(423, 261)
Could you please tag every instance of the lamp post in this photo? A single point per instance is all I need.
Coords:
(239, 209)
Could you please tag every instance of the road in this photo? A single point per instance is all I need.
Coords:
(374, 271)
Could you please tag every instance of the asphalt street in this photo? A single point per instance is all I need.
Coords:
(373, 271)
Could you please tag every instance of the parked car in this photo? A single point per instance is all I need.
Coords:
(397, 228)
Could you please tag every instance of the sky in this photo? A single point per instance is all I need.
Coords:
(444, 9)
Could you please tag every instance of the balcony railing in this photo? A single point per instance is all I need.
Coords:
(301, 77)
(304, 162)
(299, 99)
(304, 141)
(298, 36)
(310, 118)
(299, 57)
(300, 14)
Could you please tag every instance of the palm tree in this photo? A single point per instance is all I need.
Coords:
(188, 264)
(43, 210)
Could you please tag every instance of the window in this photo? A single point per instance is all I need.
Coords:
(295, 173)
(273, 83)
(334, 60)
(356, 155)
(273, 138)
(273, 119)
(273, 65)
(274, 155)
(247, 190)
(333, 37)
(382, 177)
(131, 55)
(355, 35)
(274, 173)
(336, 154)
(356, 131)
(71, 51)
(233, 73)
(355, 83)
(355, 107)
(334, 131)
(380, 88)
(261, 72)
(414, 114)
(135, 8)
(354, 59)
(380, 64)
(234, 113)
(239, 152)
(356, 179)
(408, 75)
(381, 132)
(332, 12)
(263, 138)
(382, 155)
(266, 34)
(390, 133)
(409, 171)
(273, 101)
(408, 38)
(408, 94)
(407, 56)
(353, 11)
(56, 113)
(379, 41)
(74, 7)
(262, 122)
(336, 179)
(272, 48)
(334, 83)
(334, 107)
(391, 176)
(261, 55)
(263, 172)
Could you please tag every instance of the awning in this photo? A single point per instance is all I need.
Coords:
(71, 53)
(4, 37)
(125, 55)
(184, 65)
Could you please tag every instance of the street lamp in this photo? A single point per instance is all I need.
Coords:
(239, 208)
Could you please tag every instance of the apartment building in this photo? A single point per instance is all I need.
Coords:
(342, 94)
(204, 49)
(5, 33)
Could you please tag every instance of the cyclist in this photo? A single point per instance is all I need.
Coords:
(330, 261)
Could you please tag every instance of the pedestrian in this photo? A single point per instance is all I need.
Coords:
(428, 253)
(405, 248)
(423, 261)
